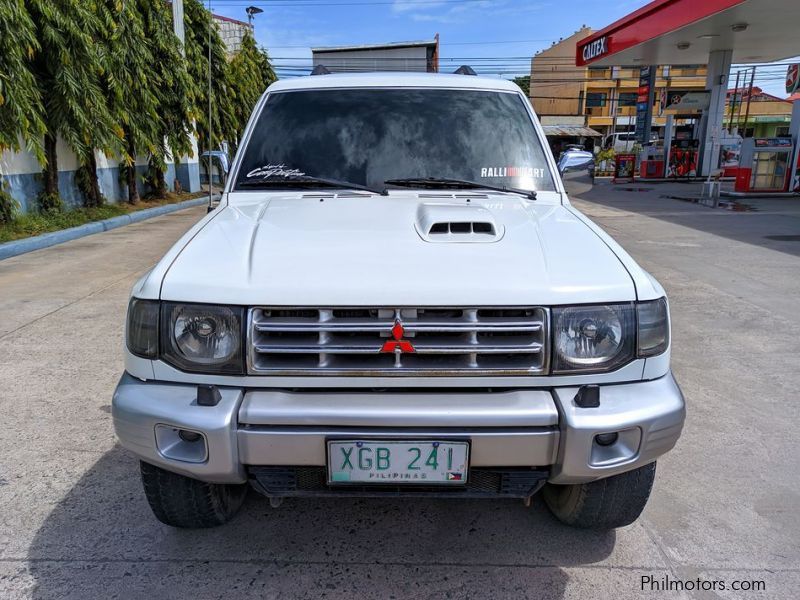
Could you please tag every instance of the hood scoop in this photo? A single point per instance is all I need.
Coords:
(457, 223)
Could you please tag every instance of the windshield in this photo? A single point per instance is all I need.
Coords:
(368, 136)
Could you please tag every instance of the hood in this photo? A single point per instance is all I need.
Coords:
(405, 249)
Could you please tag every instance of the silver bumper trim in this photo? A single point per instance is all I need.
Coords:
(517, 428)
(334, 408)
(490, 447)
(137, 407)
(648, 415)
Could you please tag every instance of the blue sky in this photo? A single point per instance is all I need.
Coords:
(466, 29)
(510, 30)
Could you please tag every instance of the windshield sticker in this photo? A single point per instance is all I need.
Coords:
(533, 172)
(268, 171)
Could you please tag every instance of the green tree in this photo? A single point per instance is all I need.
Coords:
(129, 87)
(201, 32)
(68, 69)
(20, 101)
(249, 74)
(173, 88)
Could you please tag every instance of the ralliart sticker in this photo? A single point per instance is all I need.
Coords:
(532, 172)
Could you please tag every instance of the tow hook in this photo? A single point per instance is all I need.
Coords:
(275, 501)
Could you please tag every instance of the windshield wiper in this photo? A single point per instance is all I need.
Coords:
(305, 180)
(446, 182)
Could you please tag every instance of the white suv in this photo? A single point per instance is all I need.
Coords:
(395, 297)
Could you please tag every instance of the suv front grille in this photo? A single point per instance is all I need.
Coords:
(349, 341)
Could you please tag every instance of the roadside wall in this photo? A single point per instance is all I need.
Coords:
(22, 174)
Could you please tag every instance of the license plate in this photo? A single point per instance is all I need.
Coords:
(394, 462)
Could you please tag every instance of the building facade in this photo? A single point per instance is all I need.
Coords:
(766, 117)
(398, 56)
(232, 32)
(604, 98)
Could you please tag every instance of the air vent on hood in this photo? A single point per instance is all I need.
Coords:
(456, 223)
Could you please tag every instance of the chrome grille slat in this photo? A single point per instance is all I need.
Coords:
(410, 327)
(418, 349)
(446, 341)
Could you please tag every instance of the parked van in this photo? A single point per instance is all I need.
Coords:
(624, 141)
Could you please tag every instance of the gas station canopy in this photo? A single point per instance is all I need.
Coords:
(681, 32)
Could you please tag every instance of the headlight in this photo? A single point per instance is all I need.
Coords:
(605, 337)
(653, 327)
(203, 338)
(141, 331)
(593, 338)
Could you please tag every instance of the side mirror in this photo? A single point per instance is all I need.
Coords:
(575, 160)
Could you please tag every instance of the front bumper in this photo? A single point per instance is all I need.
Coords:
(541, 429)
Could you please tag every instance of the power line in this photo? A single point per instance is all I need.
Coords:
(239, 3)
(489, 43)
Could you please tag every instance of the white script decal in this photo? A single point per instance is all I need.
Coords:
(275, 170)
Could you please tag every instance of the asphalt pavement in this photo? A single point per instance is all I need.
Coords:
(74, 522)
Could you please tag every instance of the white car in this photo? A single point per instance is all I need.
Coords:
(625, 141)
(396, 298)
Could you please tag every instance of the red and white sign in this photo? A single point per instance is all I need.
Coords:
(793, 78)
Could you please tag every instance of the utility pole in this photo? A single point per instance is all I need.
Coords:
(749, 97)
(732, 104)
(177, 21)
(210, 124)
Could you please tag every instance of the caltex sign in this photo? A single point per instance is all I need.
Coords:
(594, 49)
(793, 78)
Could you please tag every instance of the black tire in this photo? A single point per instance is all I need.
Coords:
(603, 504)
(181, 501)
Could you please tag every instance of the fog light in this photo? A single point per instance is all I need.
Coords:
(184, 445)
(189, 436)
(606, 439)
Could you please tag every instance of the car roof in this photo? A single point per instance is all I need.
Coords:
(393, 79)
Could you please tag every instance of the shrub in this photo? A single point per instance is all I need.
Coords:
(606, 154)
(8, 206)
(49, 203)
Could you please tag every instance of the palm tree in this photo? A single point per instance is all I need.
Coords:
(198, 25)
(172, 87)
(20, 101)
(249, 74)
(68, 67)
(128, 85)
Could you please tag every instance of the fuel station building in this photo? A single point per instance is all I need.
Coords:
(717, 33)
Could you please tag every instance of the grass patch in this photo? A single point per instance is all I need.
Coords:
(30, 224)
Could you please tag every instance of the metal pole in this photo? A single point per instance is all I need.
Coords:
(210, 125)
(177, 21)
(733, 103)
(739, 109)
(668, 132)
(749, 96)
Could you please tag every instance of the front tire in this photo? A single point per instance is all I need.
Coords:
(604, 504)
(181, 501)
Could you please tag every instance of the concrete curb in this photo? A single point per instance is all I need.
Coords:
(17, 247)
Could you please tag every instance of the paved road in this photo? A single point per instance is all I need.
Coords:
(74, 522)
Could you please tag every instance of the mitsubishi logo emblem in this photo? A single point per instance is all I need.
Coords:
(397, 344)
